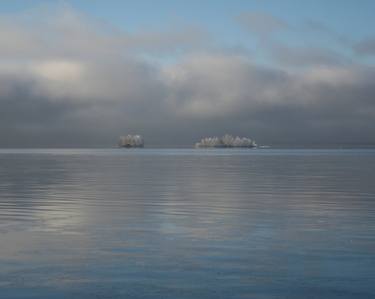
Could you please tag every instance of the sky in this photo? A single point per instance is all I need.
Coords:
(82, 73)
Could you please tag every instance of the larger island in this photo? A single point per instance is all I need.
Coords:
(227, 141)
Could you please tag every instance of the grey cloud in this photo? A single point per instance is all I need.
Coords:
(365, 47)
(330, 104)
(306, 56)
(80, 83)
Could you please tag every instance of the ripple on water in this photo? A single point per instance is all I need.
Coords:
(187, 223)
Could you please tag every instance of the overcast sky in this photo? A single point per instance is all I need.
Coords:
(82, 73)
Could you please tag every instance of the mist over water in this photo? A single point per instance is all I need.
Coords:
(145, 223)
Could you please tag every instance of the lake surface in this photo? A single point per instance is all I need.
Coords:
(144, 223)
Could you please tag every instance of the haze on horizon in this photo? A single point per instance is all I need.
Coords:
(82, 73)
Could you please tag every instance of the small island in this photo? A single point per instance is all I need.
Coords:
(227, 141)
(131, 141)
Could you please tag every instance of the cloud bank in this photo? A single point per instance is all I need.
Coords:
(68, 80)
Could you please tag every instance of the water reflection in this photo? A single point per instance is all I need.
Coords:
(187, 224)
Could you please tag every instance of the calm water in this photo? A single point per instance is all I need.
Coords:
(187, 224)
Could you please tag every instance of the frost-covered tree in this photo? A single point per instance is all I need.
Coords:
(226, 141)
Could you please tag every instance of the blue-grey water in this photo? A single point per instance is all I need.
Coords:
(149, 223)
